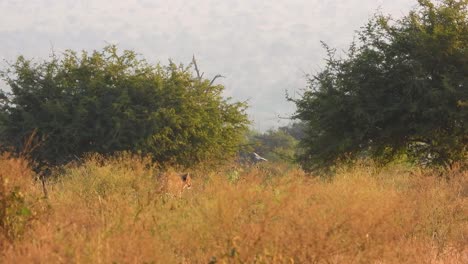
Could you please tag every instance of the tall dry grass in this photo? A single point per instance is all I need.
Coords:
(19, 198)
(109, 210)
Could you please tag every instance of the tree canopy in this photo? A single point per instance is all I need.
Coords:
(400, 89)
(108, 101)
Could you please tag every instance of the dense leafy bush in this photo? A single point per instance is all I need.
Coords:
(105, 102)
(401, 90)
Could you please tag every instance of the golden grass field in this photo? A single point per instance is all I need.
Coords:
(108, 210)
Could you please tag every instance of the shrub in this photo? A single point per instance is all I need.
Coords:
(106, 102)
(400, 90)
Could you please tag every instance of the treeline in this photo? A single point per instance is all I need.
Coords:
(277, 145)
(400, 91)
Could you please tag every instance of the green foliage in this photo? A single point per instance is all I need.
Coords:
(295, 129)
(274, 145)
(106, 102)
(401, 90)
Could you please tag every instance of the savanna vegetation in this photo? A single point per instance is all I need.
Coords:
(274, 145)
(375, 171)
(110, 101)
(399, 91)
(108, 210)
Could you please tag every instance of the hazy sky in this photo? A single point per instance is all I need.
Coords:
(263, 47)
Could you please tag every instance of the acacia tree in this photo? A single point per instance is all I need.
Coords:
(105, 102)
(400, 89)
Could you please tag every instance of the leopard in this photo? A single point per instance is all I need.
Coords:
(174, 183)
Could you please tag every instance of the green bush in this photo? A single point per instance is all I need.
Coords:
(105, 102)
(400, 90)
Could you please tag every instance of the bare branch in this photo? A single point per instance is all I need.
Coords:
(200, 76)
(194, 61)
(216, 77)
